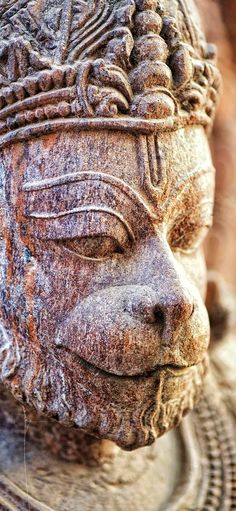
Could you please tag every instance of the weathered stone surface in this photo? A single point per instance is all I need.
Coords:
(107, 191)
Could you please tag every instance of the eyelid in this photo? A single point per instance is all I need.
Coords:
(92, 252)
(83, 222)
(205, 207)
(196, 245)
(85, 209)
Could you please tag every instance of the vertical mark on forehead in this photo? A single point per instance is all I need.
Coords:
(154, 176)
(155, 161)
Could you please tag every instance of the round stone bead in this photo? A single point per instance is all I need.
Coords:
(45, 81)
(192, 100)
(40, 114)
(29, 116)
(9, 96)
(63, 109)
(147, 21)
(144, 5)
(181, 66)
(19, 91)
(11, 123)
(21, 119)
(150, 47)
(149, 75)
(51, 111)
(153, 105)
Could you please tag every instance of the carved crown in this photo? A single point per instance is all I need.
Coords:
(132, 64)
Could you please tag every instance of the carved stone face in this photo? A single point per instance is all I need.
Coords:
(103, 278)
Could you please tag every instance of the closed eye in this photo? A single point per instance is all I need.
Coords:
(91, 232)
(93, 247)
(188, 240)
(191, 224)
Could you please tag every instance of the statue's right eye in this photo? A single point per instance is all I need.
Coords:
(93, 247)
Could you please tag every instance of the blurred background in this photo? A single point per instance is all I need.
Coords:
(219, 21)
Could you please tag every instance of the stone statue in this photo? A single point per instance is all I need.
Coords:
(106, 193)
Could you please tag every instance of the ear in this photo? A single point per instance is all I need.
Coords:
(221, 305)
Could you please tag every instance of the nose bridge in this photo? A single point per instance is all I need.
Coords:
(176, 309)
(174, 296)
(172, 288)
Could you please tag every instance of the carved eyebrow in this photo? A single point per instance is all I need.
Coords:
(194, 174)
(206, 213)
(127, 202)
(52, 182)
(183, 183)
(87, 176)
(85, 209)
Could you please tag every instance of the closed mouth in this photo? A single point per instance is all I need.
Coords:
(172, 369)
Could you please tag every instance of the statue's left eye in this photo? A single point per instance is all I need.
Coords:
(188, 236)
(188, 232)
(93, 247)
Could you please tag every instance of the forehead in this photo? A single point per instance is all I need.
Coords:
(141, 161)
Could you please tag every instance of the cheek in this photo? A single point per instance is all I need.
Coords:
(62, 280)
(195, 268)
(59, 272)
(59, 283)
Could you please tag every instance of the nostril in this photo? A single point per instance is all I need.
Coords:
(146, 309)
(147, 313)
(166, 312)
(159, 316)
(191, 309)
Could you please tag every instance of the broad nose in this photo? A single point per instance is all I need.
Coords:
(168, 310)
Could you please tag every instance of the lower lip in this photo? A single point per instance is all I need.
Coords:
(173, 370)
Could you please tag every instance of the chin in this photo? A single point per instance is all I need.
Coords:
(147, 406)
(130, 411)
